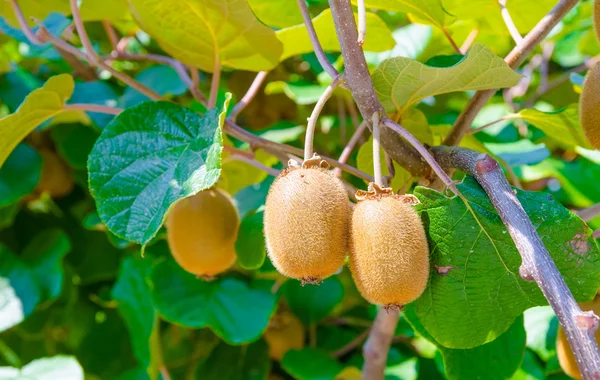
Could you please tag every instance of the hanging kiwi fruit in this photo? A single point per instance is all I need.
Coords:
(306, 222)
(589, 106)
(201, 232)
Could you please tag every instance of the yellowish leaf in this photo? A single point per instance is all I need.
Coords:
(426, 11)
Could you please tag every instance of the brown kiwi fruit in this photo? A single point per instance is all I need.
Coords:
(589, 106)
(389, 256)
(285, 332)
(563, 348)
(56, 178)
(306, 222)
(201, 232)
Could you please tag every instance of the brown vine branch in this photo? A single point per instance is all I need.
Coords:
(537, 263)
(249, 95)
(23, 23)
(350, 146)
(451, 40)
(375, 350)
(514, 59)
(312, 34)
(111, 34)
(83, 36)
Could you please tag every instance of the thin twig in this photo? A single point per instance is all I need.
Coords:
(376, 150)
(508, 21)
(391, 169)
(514, 59)
(111, 34)
(249, 95)
(350, 146)
(312, 34)
(195, 89)
(256, 164)
(214, 86)
(341, 108)
(589, 213)
(83, 36)
(23, 23)
(375, 350)
(537, 263)
(452, 42)
(547, 50)
(314, 116)
(93, 108)
(503, 118)
(350, 346)
(362, 22)
(469, 41)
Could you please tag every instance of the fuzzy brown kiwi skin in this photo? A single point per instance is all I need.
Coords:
(589, 106)
(201, 232)
(306, 223)
(389, 255)
(566, 358)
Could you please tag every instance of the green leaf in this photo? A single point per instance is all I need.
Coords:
(563, 125)
(311, 364)
(235, 311)
(277, 13)
(301, 92)
(542, 326)
(226, 362)
(427, 11)
(163, 80)
(204, 33)
(498, 359)
(8, 214)
(56, 367)
(400, 82)
(530, 369)
(483, 293)
(20, 174)
(74, 142)
(39, 106)
(311, 303)
(250, 244)
(296, 41)
(147, 158)
(134, 302)
(110, 10)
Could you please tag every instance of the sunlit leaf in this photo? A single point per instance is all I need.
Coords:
(277, 13)
(429, 11)
(206, 33)
(563, 125)
(56, 367)
(296, 41)
(34, 8)
(39, 106)
(400, 82)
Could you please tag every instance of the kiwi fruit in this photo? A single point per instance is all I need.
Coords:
(589, 106)
(201, 232)
(389, 255)
(285, 332)
(306, 222)
(56, 178)
(566, 358)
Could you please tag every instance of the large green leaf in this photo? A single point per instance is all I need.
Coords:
(236, 363)
(39, 106)
(311, 364)
(429, 11)
(209, 32)
(56, 367)
(563, 125)
(234, 310)
(296, 41)
(147, 158)
(400, 82)
(134, 302)
(277, 13)
(483, 293)
(311, 303)
(496, 360)
(20, 174)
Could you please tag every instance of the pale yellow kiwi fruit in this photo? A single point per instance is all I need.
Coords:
(201, 232)
(306, 223)
(389, 256)
(563, 348)
(589, 106)
(56, 178)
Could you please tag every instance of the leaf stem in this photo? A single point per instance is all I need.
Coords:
(376, 150)
(111, 34)
(256, 164)
(214, 85)
(83, 36)
(362, 22)
(9, 355)
(312, 34)
(350, 146)
(514, 59)
(314, 116)
(93, 108)
(510, 25)
(451, 40)
(464, 48)
(249, 95)
(503, 118)
(23, 23)
(589, 213)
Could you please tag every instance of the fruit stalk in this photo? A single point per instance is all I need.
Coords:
(537, 263)
(314, 116)
(376, 150)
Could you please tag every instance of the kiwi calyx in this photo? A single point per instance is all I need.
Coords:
(315, 162)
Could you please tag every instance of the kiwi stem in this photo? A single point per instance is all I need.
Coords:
(214, 85)
(376, 150)
(314, 116)
(510, 25)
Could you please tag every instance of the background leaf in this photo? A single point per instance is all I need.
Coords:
(249, 362)
(311, 303)
(177, 153)
(20, 174)
(563, 125)
(250, 244)
(311, 364)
